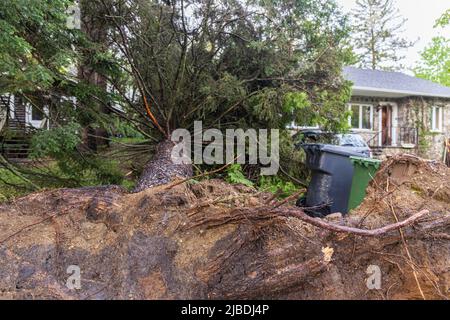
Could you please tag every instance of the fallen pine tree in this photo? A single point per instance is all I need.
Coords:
(219, 241)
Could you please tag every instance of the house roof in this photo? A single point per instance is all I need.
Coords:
(390, 84)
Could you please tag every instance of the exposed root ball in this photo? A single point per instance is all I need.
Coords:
(215, 240)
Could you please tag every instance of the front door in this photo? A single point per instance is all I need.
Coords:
(386, 125)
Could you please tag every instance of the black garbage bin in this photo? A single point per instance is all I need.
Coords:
(331, 179)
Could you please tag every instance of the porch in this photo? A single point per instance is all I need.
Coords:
(393, 137)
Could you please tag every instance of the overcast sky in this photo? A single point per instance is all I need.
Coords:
(421, 15)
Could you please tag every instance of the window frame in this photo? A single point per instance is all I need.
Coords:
(36, 123)
(360, 116)
(440, 115)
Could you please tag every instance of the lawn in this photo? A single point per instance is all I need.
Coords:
(11, 186)
(46, 175)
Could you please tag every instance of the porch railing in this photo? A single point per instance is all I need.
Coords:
(405, 137)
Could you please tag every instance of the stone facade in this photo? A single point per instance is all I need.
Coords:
(404, 125)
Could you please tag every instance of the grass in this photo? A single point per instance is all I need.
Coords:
(46, 174)
(48, 177)
(11, 186)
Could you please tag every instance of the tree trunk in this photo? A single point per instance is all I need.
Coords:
(161, 169)
(96, 31)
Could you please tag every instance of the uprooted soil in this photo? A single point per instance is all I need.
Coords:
(215, 240)
(406, 184)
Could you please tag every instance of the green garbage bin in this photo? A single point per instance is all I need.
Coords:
(364, 171)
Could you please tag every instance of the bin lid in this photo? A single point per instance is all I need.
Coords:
(341, 150)
(366, 161)
(331, 148)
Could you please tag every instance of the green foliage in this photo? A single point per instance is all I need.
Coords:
(40, 54)
(435, 62)
(236, 175)
(123, 129)
(295, 101)
(61, 145)
(444, 20)
(103, 171)
(291, 159)
(423, 141)
(247, 76)
(218, 62)
(11, 186)
(56, 142)
(50, 176)
(35, 44)
(422, 123)
(276, 184)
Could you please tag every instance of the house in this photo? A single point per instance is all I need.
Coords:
(17, 120)
(22, 116)
(398, 113)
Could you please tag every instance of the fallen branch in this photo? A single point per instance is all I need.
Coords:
(152, 117)
(293, 196)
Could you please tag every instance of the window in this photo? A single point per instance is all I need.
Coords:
(36, 114)
(36, 117)
(436, 118)
(362, 116)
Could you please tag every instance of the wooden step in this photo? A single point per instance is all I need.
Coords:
(15, 147)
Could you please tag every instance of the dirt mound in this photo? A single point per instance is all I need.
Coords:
(406, 184)
(215, 240)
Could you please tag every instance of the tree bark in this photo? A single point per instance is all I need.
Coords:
(161, 169)
(96, 31)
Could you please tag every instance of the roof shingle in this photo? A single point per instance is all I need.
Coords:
(393, 82)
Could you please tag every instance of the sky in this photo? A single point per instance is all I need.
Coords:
(421, 15)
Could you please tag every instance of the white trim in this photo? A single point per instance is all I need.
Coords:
(394, 122)
(405, 92)
(434, 128)
(380, 129)
(3, 116)
(360, 115)
(12, 107)
(38, 124)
